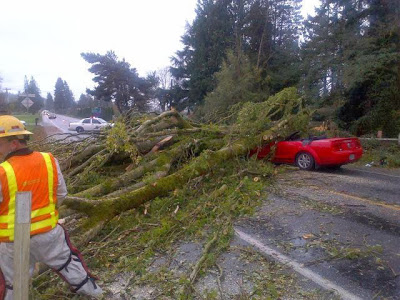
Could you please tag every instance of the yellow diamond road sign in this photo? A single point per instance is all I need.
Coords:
(27, 102)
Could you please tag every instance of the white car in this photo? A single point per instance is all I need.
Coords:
(89, 124)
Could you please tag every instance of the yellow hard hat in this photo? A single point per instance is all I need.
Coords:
(11, 126)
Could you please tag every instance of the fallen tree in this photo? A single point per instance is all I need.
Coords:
(154, 181)
(144, 157)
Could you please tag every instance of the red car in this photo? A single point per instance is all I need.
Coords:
(313, 152)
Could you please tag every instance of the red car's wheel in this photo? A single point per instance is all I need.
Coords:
(305, 161)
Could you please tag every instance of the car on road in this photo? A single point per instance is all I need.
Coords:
(52, 116)
(312, 152)
(89, 124)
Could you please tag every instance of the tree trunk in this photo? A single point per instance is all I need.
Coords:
(75, 159)
(207, 161)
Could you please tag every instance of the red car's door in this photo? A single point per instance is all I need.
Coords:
(286, 151)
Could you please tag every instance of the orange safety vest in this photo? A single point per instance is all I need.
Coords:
(35, 172)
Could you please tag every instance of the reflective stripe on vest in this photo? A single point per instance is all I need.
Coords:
(42, 219)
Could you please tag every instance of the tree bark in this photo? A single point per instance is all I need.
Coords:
(131, 176)
(208, 160)
(86, 163)
(160, 122)
(75, 159)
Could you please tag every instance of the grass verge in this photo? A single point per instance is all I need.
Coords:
(380, 154)
(29, 119)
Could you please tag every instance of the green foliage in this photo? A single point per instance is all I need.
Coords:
(237, 82)
(117, 81)
(270, 31)
(255, 118)
(29, 119)
(87, 180)
(49, 104)
(352, 53)
(87, 103)
(118, 141)
(205, 43)
(376, 151)
(137, 237)
(63, 97)
(31, 87)
(265, 31)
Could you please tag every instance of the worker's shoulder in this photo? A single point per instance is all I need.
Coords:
(45, 153)
(52, 157)
(2, 170)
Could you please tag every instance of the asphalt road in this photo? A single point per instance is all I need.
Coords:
(338, 230)
(61, 122)
(60, 125)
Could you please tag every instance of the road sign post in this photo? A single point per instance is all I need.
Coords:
(27, 102)
(22, 227)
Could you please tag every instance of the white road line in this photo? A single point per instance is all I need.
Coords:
(299, 268)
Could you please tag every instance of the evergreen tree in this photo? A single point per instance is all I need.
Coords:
(237, 82)
(372, 74)
(205, 43)
(49, 105)
(85, 100)
(118, 82)
(31, 87)
(266, 31)
(352, 57)
(271, 32)
(69, 96)
(63, 97)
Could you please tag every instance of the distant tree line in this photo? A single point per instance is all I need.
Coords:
(348, 64)
(345, 61)
(31, 91)
(351, 59)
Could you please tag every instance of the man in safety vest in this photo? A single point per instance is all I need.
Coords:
(39, 173)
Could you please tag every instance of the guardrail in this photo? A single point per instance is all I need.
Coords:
(383, 139)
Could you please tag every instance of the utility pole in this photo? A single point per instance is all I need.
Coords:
(4, 104)
(7, 89)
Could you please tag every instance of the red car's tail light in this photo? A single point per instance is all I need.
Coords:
(343, 145)
(337, 146)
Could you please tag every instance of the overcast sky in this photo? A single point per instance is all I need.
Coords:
(44, 38)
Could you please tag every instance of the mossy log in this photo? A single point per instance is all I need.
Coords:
(157, 175)
(122, 180)
(167, 157)
(207, 161)
(89, 161)
(75, 159)
(148, 144)
(165, 120)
